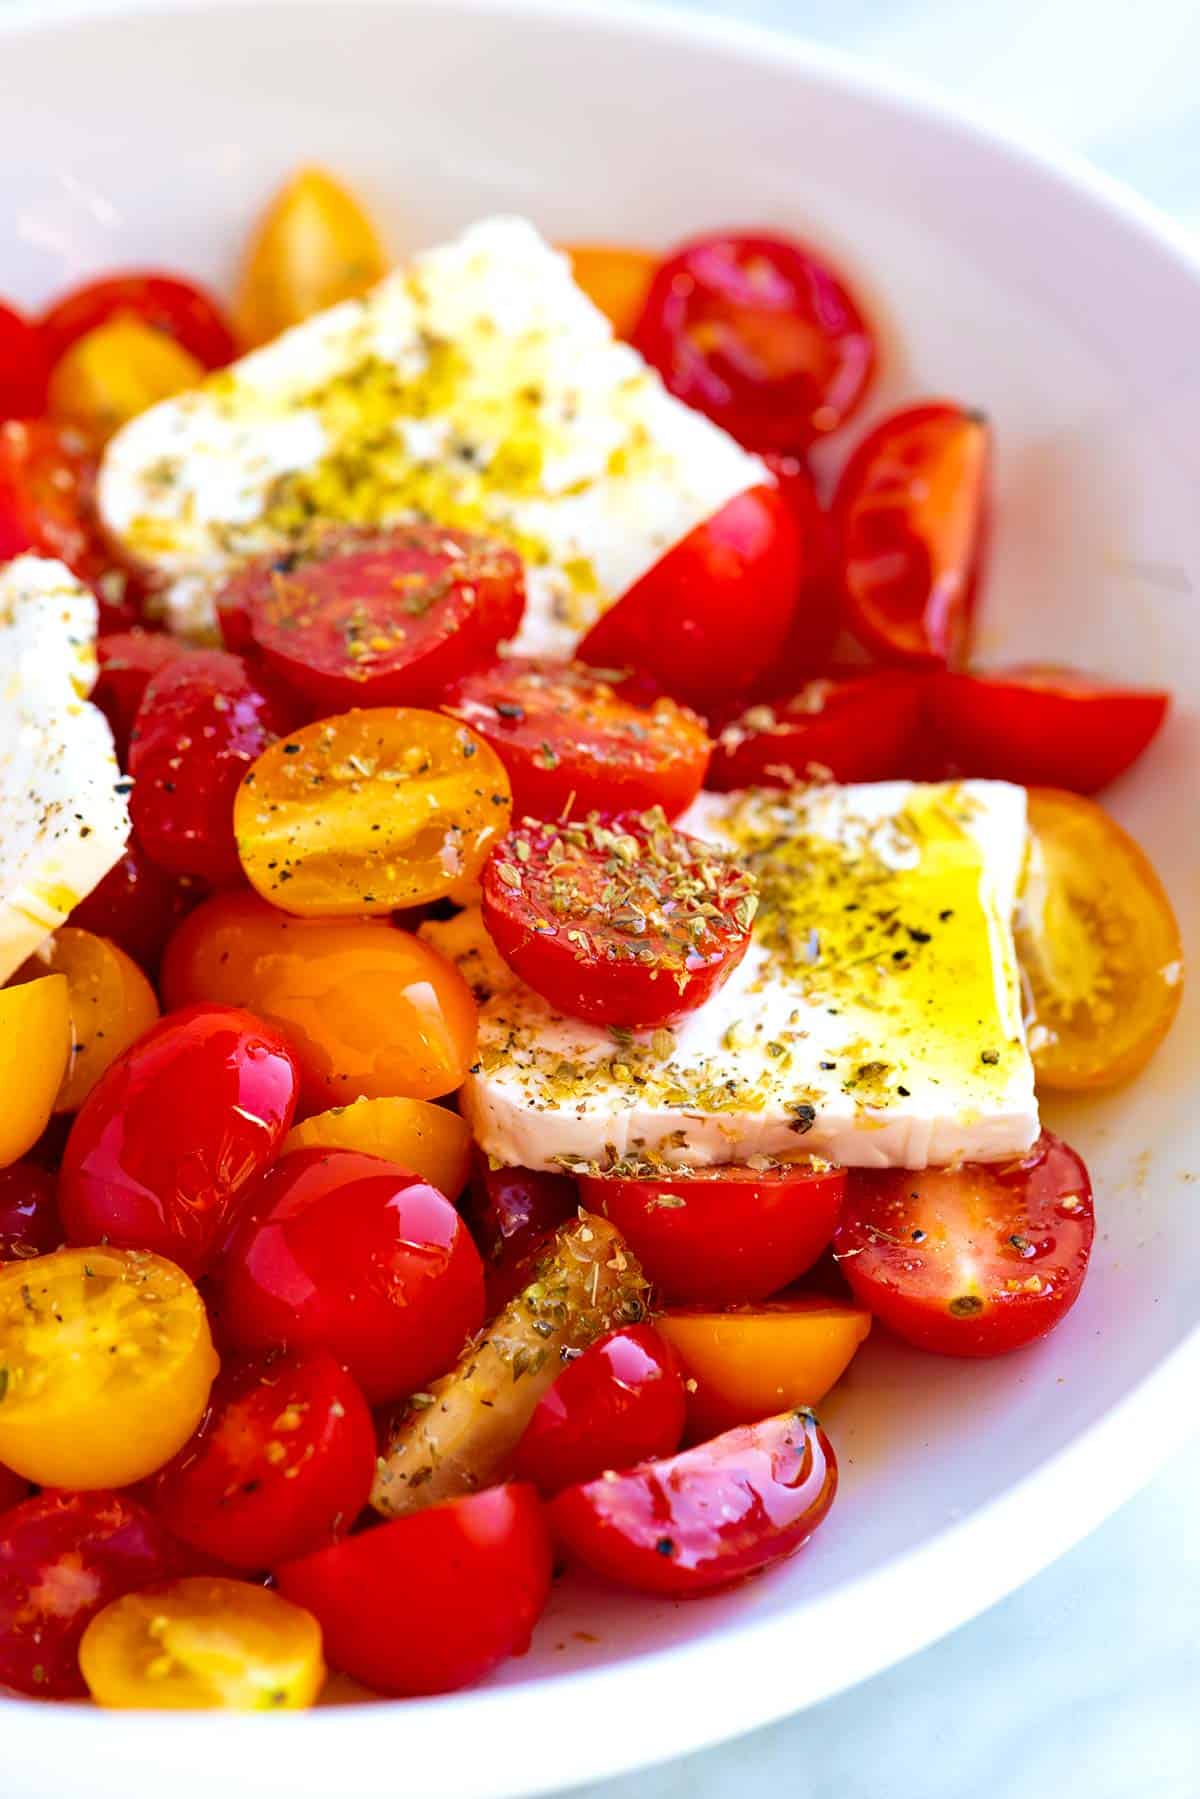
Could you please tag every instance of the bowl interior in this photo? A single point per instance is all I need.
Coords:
(154, 138)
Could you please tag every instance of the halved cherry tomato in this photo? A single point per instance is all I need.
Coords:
(370, 811)
(470, 1578)
(108, 1363)
(175, 308)
(127, 660)
(614, 279)
(619, 1403)
(314, 245)
(715, 611)
(761, 334)
(512, 1212)
(428, 1140)
(24, 366)
(970, 1261)
(35, 1048)
(718, 1236)
(63, 1556)
(203, 1644)
(368, 1010)
(349, 1253)
(1048, 727)
(858, 726)
(138, 905)
(164, 1147)
(745, 1364)
(281, 1465)
(1098, 944)
(910, 514)
(47, 507)
(115, 371)
(707, 1516)
(607, 922)
(203, 719)
(378, 618)
(111, 1004)
(817, 612)
(571, 742)
(29, 1221)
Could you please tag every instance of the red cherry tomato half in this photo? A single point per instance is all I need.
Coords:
(204, 718)
(859, 726)
(619, 1403)
(726, 1235)
(127, 660)
(177, 308)
(349, 1253)
(24, 366)
(1045, 727)
(572, 743)
(816, 616)
(29, 1222)
(433, 1601)
(47, 489)
(910, 515)
(281, 1465)
(761, 334)
(138, 905)
(383, 618)
(510, 1211)
(163, 1149)
(63, 1556)
(12, 1490)
(603, 920)
(715, 611)
(708, 1516)
(970, 1261)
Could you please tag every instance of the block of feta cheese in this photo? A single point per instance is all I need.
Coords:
(875, 1019)
(477, 387)
(64, 821)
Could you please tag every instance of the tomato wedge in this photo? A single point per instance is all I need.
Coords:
(619, 1403)
(718, 1236)
(572, 744)
(127, 660)
(860, 726)
(910, 514)
(511, 1212)
(605, 920)
(179, 309)
(817, 614)
(614, 278)
(970, 1261)
(377, 618)
(23, 366)
(707, 1516)
(1044, 726)
(47, 506)
(1098, 944)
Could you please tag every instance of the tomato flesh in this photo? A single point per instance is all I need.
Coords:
(29, 1221)
(860, 726)
(127, 660)
(179, 309)
(619, 1403)
(24, 366)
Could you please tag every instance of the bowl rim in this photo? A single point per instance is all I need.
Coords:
(690, 1696)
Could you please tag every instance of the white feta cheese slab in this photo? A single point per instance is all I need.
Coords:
(478, 387)
(64, 821)
(875, 1019)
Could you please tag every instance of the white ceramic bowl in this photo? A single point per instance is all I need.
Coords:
(1035, 290)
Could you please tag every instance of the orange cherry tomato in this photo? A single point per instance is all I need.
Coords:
(1098, 945)
(373, 810)
(368, 1010)
(425, 1139)
(203, 1644)
(743, 1365)
(315, 245)
(108, 1363)
(615, 280)
(111, 1004)
(35, 1047)
(117, 370)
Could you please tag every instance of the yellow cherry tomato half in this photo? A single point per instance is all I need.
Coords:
(117, 370)
(314, 246)
(615, 280)
(105, 1366)
(428, 1140)
(35, 1049)
(111, 1004)
(1098, 945)
(203, 1644)
(370, 811)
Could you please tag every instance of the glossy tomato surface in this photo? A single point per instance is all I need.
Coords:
(47, 507)
(29, 1222)
(862, 725)
(469, 1578)
(179, 309)
(164, 1147)
(314, 246)
(817, 614)
(747, 1362)
(620, 1402)
(346, 1252)
(138, 905)
(127, 659)
(23, 366)
(511, 1212)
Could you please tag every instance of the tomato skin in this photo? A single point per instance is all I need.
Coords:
(203, 719)
(127, 660)
(708, 1516)
(24, 366)
(12, 1490)
(177, 308)
(47, 507)
(616, 279)
(63, 1556)
(1044, 727)
(863, 725)
(29, 1222)
(469, 1576)
(619, 1403)
(313, 246)
(281, 1465)
(512, 1213)
(228, 1084)
(997, 1258)
(817, 614)
(138, 905)
(569, 739)
(713, 613)
(347, 1252)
